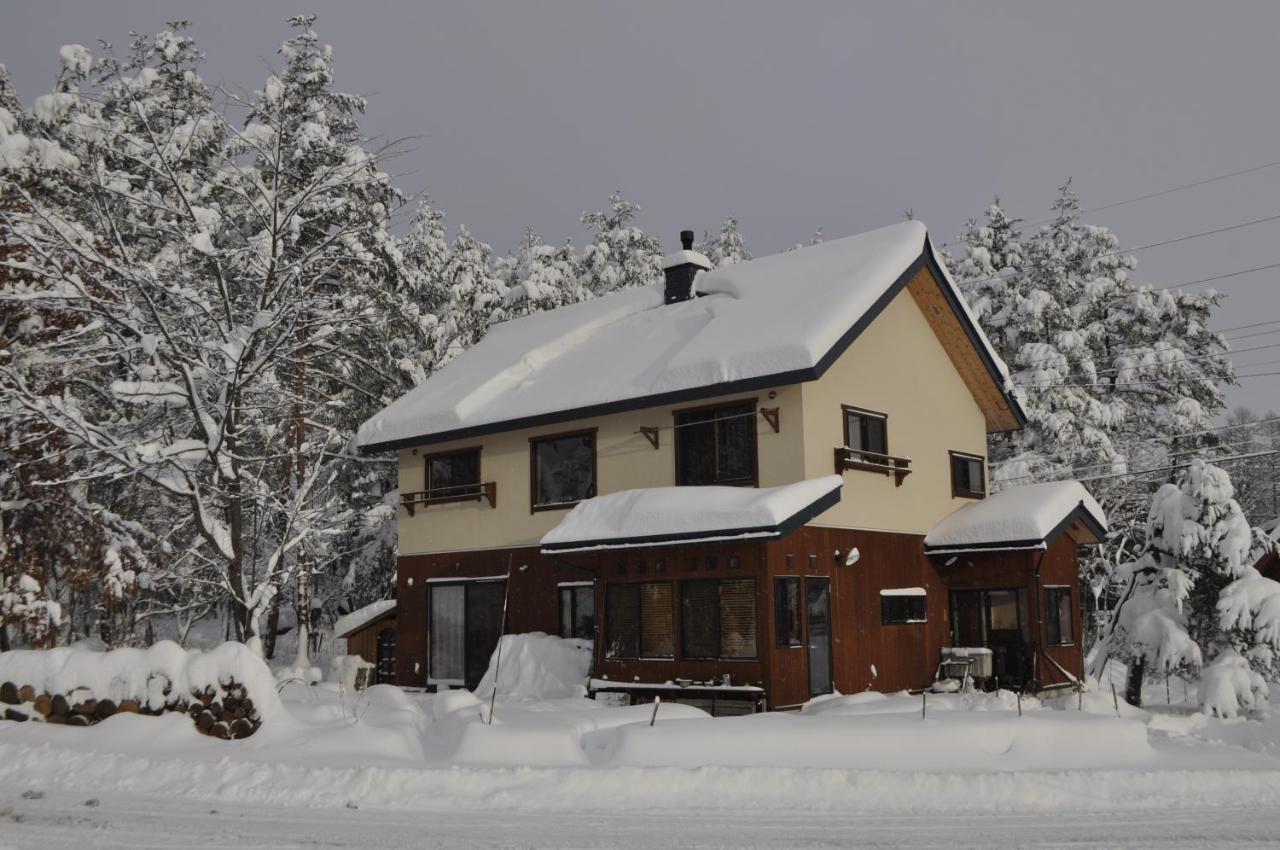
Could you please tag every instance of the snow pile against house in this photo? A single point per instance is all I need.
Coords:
(537, 666)
(773, 320)
(1018, 518)
(659, 515)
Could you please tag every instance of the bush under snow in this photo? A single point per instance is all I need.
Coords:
(1229, 685)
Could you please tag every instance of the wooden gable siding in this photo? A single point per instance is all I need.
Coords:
(928, 294)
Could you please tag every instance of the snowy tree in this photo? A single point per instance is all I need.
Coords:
(474, 296)
(541, 278)
(620, 255)
(727, 247)
(1193, 594)
(238, 297)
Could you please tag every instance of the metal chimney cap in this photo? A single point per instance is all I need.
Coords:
(686, 239)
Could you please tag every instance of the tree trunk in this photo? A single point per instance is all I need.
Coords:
(1133, 685)
(273, 620)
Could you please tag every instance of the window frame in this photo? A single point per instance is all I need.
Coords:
(468, 496)
(466, 583)
(845, 411)
(796, 642)
(1056, 590)
(678, 428)
(957, 493)
(885, 617)
(534, 506)
(574, 588)
(639, 621)
(719, 583)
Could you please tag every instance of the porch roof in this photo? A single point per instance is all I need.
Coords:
(660, 516)
(1029, 517)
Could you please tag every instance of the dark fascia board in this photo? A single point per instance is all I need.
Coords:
(782, 529)
(1079, 512)
(795, 376)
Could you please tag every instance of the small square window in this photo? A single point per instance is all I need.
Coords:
(865, 433)
(968, 476)
(904, 605)
(453, 475)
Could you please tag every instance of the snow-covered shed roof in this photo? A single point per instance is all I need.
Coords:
(762, 323)
(660, 515)
(361, 617)
(1028, 517)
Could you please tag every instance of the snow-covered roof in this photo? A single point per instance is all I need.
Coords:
(757, 324)
(1018, 518)
(662, 515)
(362, 617)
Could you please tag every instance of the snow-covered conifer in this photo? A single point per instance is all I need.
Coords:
(620, 255)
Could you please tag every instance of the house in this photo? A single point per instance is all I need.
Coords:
(749, 485)
(1269, 563)
(370, 633)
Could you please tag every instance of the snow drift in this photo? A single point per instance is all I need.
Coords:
(537, 666)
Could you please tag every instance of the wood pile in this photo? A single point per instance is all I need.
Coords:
(226, 712)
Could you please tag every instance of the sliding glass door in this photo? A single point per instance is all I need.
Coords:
(464, 622)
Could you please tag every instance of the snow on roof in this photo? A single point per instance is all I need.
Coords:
(1017, 518)
(765, 322)
(660, 515)
(679, 258)
(362, 617)
(1273, 528)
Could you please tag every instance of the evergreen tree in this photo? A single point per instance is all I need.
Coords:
(620, 255)
(727, 248)
(540, 278)
(475, 296)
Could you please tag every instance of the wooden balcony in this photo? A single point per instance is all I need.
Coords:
(847, 458)
(459, 493)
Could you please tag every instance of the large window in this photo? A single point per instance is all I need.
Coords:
(967, 476)
(718, 618)
(578, 610)
(563, 469)
(639, 621)
(903, 605)
(786, 611)
(864, 431)
(1057, 616)
(464, 624)
(716, 445)
(453, 475)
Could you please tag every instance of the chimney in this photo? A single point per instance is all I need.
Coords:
(681, 268)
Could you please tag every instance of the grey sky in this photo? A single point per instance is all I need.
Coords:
(791, 115)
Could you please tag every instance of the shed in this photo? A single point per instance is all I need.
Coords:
(370, 633)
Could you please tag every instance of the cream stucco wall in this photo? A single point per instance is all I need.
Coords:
(625, 460)
(897, 367)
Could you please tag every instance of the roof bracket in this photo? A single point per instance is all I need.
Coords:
(650, 434)
(770, 415)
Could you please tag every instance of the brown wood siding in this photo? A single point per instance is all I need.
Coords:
(364, 640)
(904, 655)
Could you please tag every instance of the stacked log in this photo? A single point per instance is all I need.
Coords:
(226, 713)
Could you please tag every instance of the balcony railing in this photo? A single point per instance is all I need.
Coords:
(456, 493)
(847, 458)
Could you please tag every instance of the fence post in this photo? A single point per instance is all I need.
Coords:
(653, 717)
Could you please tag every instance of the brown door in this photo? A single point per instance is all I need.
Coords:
(817, 592)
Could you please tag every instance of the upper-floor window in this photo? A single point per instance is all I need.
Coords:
(563, 469)
(453, 474)
(864, 431)
(716, 445)
(967, 476)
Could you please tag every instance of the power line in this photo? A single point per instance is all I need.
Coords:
(1228, 459)
(1140, 366)
(1162, 192)
(1246, 327)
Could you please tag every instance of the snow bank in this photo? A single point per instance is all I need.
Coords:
(659, 513)
(160, 674)
(1015, 515)
(537, 666)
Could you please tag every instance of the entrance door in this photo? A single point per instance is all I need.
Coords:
(484, 626)
(817, 593)
(996, 619)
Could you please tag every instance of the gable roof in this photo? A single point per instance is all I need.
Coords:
(1028, 517)
(763, 323)
(657, 516)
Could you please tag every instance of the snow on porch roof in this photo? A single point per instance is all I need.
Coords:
(758, 324)
(362, 617)
(663, 515)
(1027, 517)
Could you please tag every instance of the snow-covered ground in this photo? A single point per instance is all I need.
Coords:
(384, 767)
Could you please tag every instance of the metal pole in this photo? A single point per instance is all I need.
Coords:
(657, 700)
(497, 662)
